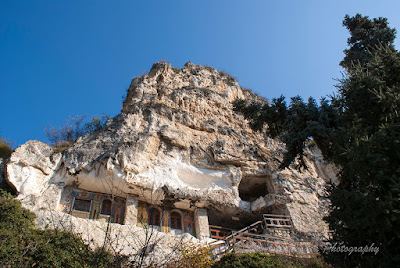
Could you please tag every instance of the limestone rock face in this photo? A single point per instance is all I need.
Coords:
(178, 142)
(30, 170)
(31, 166)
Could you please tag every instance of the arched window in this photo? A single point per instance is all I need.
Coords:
(118, 213)
(176, 220)
(154, 217)
(106, 207)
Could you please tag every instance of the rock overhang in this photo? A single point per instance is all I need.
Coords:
(178, 141)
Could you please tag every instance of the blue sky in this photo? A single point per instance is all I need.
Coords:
(62, 58)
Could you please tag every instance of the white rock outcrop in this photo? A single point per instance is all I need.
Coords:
(177, 142)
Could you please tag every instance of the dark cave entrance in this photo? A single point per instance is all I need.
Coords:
(252, 187)
(223, 220)
(230, 218)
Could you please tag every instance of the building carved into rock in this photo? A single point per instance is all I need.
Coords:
(177, 159)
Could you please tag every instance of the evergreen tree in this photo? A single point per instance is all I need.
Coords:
(358, 130)
(366, 36)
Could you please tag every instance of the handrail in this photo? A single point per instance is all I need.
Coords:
(275, 215)
(218, 232)
(272, 237)
(246, 240)
(220, 228)
(286, 246)
(248, 228)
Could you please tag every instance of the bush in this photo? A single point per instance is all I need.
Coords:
(193, 255)
(23, 245)
(256, 260)
(6, 187)
(5, 148)
(74, 128)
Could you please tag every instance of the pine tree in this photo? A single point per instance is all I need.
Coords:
(358, 130)
(366, 36)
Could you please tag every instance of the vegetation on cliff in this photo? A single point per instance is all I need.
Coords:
(357, 129)
(73, 128)
(258, 260)
(5, 148)
(23, 245)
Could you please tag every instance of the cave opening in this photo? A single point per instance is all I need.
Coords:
(230, 218)
(252, 187)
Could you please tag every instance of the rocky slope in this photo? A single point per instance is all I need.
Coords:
(178, 142)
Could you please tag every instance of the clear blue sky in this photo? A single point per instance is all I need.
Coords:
(61, 58)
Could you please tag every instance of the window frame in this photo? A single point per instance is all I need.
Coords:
(83, 199)
(178, 212)
(111, 206)
(151, 218)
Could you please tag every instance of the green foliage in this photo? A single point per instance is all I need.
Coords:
(193, 255)
(6, 187)
(366, 36)
(74, 128)
(13, 215)
(5, 148)
(22, 245)
(358, 130)
(366, 203)
(294, 125)
(258, 260)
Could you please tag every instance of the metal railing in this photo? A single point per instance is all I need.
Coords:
(261, 236)
(246, 242)
(220, 233)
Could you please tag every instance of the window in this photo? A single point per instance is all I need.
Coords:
(82, 205)
(176, 220)
(106, 207)
(118, 214)
(154, 217)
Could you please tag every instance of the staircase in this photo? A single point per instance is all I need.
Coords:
(274, 234)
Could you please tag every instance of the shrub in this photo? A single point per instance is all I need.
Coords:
(6, 187)
(5, 148)
(74, 128)
(23, 245)
(194, 255)
(256, 260)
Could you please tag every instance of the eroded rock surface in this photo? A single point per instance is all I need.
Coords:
(177, 141)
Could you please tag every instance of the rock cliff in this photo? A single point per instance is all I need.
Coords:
(178, 143)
